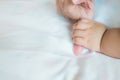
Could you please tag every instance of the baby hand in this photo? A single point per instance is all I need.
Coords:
(76, 9)
(88, 33)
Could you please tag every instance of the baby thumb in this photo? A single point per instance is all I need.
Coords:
(78, 49)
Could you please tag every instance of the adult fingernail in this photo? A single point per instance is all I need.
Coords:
(75, 1)
(78, 50)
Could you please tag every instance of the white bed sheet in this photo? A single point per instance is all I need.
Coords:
(35, 43)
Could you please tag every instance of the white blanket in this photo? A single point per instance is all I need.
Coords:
(36, 44)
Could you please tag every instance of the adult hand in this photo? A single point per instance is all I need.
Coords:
(76, 9)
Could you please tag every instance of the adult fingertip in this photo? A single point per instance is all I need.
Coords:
(78, 50)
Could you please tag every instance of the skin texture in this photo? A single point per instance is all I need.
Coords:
(96, 37)
(110, 43)
(76, 9)
(88, 33)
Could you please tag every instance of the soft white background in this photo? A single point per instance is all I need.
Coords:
(35, 43)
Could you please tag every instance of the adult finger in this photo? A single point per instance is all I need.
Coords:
(59, 4)
(78, 49)
(83, 24)
(78, 1)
